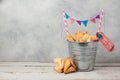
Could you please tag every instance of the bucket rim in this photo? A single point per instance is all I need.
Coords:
(82, 42)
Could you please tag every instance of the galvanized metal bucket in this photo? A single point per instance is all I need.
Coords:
(84, 54)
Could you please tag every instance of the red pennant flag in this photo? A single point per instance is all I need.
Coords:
(72, 20)
(93, 20)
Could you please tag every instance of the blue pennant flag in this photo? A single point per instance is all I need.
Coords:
(67, 16)
(85, 22)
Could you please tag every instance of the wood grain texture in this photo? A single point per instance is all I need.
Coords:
(45, 71)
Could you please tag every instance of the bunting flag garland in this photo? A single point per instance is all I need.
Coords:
(79, 22)
(67, 16)
(93, 20)
(85, 22)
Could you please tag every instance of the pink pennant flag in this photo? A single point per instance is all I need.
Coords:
(72, 20)
(93, 20)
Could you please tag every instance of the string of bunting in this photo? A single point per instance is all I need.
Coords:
(84, 22)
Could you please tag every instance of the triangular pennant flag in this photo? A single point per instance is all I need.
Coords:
(67, 16)
(72, 20)
(85, 22)
(98, 16)
(79, 22)
(93, 20)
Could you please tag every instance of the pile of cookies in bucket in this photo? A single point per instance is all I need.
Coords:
(81, 36)
(68, 65)
(65, 65)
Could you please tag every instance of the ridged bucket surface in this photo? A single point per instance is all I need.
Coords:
(84, 54)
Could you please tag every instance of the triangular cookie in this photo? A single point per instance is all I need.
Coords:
(73, 64)
(58, 69)
(67, 64)
(70, 69)
(59, 62)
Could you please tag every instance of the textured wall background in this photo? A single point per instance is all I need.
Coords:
(33, 30)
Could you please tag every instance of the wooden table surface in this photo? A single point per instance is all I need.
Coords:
(45, 71)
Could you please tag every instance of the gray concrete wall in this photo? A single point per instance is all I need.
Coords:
(33, 30)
